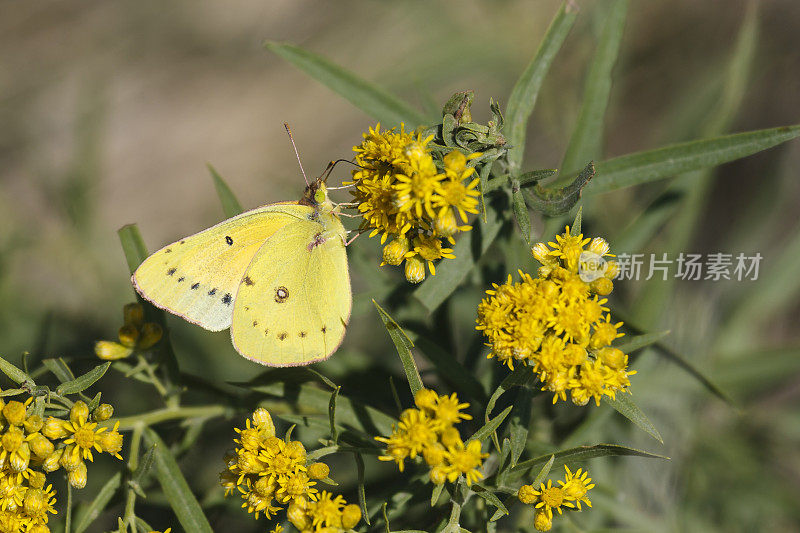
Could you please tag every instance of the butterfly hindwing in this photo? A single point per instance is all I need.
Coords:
(197, 277)
(295, 308)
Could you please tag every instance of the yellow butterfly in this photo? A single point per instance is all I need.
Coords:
(276, 275)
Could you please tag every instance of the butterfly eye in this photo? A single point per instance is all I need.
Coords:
(319, 196)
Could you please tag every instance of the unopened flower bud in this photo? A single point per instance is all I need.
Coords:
(111, 351)
(351, 515)
(77, 477)
(53, 461)
(79, 412)
(33, 423)
(415, 269)
(14, 412)
(318, 471)
(133, 314)
(151, 334)
(41, 446)
(128, 335)
(527, 494)
(103, 412)
(263, 421)
(542, 521)
(54, 428)
(394, 252)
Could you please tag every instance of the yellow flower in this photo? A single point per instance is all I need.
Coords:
(576, 485)
(555, 324)
(38, 503)
(447, 410)
(550, 498)
(465, 460)
(135, 334)
(84, 437)
(401, 193)
(415, 431)
(542, 520)
(327, 510)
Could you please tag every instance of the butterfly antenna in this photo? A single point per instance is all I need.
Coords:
(329, 170)
(289, 131)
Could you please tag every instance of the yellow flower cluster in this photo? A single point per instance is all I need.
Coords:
(135, 334)
(270, 472)
(570, 493)
(29, 449)
(429, 432)
(557, 323)
(402, 194)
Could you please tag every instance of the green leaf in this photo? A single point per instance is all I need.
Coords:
(627, 408)
(132, 245)
(362, 495)
(521, 212)
(403, 345)
(521, 377)
(526, 179)
(85, 381)
(59, 369)
(526, 90)
(631, 344)
(332, 415)
(451, 272)
(12, 392)
(14, 374)
(144, 465)
(88, 515)
(373, 100)
(581, 453)
(492, 499)
(651, 165)
(540, 477)
(585, 143)
(175, 487)
(575, 228)
(554, 202)
(752, 372)
(230, 205)
(437, 491)
(490, 427)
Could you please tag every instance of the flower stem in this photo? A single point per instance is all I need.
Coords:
(170, 413)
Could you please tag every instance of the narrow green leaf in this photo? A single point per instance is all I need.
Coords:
(554, 202)
(521, 377)
(521, 212)
(526, 90)
(84, 381)
(651, 165)
(581, 453)
(373, 100)
(526, 179)
(132, 245)
(519, 423)
(87, 515)
(59, 369)
(230, 205)
(437, 491)
(575, 228)
(542, 475)
(751, 372)
(451, 272)
(490, 427)
(175, 487)
(665, 351)
(491, 498)
(585, 143)
(14, 374)
(362, 495)
(332, 415)
(403, 345)
(144, 465)
(12, 392)
(627, 408)
(631, 344)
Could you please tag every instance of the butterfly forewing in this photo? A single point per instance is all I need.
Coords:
(197, 277)
(295, 307)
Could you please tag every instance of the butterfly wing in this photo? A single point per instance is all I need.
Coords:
(197, 277)
(297, 305)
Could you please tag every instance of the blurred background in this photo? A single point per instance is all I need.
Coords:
(110, 112)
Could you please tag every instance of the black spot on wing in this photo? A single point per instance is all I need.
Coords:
(255, 323)
(281, 294)
(181, 279)
(212, 292)
(324, 329)
(227, 299)
(248, 281)
(195, 286)
(168, 251)
(302, 334)
(282, 336)
(229, 240)
(171, 271)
